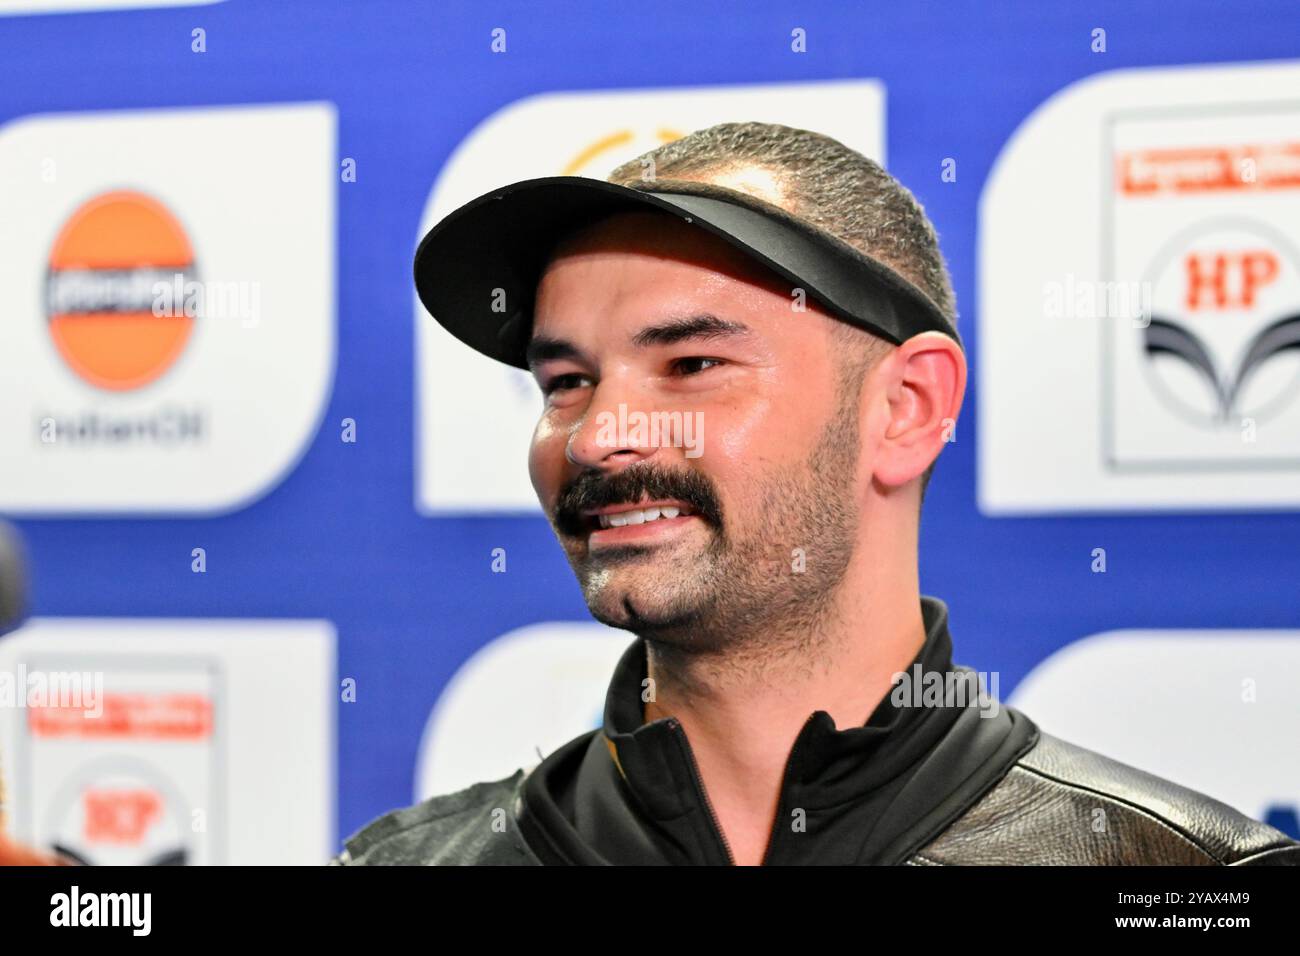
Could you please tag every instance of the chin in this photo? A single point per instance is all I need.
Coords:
(645, 609)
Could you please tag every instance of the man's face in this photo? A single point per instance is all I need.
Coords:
(741, 511)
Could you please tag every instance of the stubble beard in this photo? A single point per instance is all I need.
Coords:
(745, 592)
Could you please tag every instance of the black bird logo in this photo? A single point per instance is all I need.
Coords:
(174, 857)
(1163, 337)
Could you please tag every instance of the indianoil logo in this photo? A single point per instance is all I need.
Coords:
(101, 293)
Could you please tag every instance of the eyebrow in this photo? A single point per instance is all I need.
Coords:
(543, 348)
(704, 326)
(701, 327)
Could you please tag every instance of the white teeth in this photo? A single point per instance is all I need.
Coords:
(640, 516)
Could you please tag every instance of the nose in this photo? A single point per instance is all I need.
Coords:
(606, 437)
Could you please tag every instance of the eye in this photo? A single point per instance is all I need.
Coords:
(695, 364)
(564, 382)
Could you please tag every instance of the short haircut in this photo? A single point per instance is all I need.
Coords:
(831, 186)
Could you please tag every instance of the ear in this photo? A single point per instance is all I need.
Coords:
(925, 379)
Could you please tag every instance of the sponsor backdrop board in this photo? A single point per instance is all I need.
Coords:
(171, 741)
(221, 405)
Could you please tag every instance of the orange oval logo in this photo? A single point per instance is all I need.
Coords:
(101, 290)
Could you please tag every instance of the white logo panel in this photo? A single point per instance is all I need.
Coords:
(1215, 711)
(1139, 299)
(167, 282)
(525, 693)
(16, 7)
(171, 741)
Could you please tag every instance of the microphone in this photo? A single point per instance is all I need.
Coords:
(13, 579)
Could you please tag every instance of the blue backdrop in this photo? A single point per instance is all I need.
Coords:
(413, 597)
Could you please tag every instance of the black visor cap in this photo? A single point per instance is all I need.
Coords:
(477, 270)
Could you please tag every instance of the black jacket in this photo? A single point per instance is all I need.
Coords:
(954, 781)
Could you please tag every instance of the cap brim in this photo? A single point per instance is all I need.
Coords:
(477, 270)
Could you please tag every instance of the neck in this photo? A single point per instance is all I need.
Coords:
(870, 629)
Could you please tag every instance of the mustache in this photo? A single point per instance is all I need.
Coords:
(592, 489)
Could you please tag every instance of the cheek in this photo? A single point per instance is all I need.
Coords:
(546, 461)
(739, 431)
(743, 442)
(760, 436)
(762, 430)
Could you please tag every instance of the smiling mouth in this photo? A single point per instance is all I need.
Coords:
(621, 516)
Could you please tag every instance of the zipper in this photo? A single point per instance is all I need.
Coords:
(708, 805)
(780, 803)
(699, 788)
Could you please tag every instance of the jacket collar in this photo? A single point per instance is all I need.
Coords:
(630, 792)
(842, 763)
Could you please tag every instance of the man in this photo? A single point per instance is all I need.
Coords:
(777, 303)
